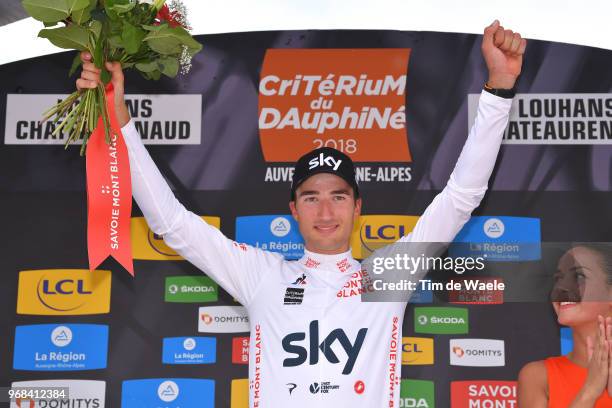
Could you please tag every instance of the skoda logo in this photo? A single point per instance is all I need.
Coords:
(422, 319)
(173, 289)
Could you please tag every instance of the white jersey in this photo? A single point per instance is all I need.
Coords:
(313, 342)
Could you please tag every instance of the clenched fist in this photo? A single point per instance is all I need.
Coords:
(503, 53)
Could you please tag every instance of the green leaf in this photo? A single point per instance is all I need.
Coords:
(153, 27)
(155, 75)
(109, 7)
(83, 15)
(71, 37)
(147, 66)
(123, 8)
(115, 41)
(169, 66)
(168, 41)
(131, 37)
(96, 28)
(192, 45)
(105, 76)
(76, 62)
(48, 11)
(98, 54)
(74, 5)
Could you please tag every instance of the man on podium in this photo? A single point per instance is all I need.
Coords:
(310, 347)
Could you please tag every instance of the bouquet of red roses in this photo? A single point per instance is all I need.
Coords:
(149, 36)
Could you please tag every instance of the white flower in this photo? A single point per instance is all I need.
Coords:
(185, 61)
(180, 13)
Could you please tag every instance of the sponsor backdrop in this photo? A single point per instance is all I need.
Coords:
(400, 103)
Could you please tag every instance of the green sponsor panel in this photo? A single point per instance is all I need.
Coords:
(417, 394)
(191, 289)
(441, 320)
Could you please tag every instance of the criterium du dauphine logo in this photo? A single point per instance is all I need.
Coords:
(280, 227)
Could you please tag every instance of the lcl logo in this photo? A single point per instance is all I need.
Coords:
(64, 287)
(384, 232)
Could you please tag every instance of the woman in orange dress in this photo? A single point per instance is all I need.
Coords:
(582, 300)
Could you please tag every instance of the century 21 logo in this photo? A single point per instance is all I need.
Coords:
(351, 349)
(63, 292)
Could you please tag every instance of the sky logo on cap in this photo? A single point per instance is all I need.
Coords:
(168, 392)
(417, 393)
(147, 245)
(441, 320)
(276, 233)
(189, 350)
(323, 160)
(63, 292)
(52, 347)
(499, 239)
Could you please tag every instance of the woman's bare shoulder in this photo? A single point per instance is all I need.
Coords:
(533, 371)
(532, 385)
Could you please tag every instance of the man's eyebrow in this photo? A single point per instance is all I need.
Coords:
(578, 267)
(343, 191)
(308, 192)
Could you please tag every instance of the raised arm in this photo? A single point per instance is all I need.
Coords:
(503, 52)
(237, 268)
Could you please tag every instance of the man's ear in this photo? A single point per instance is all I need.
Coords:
(357, 212)
(293, 208)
